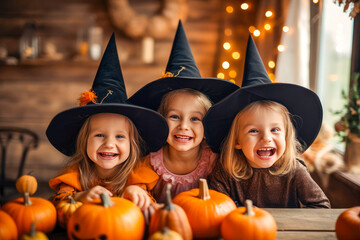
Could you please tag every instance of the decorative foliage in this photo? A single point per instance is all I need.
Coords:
(86, 97)
(347, 3)
(205, 209)
(350, 114)
(108, 218)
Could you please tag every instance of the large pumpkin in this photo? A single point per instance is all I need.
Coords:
(171, 216)
(65, 209)
(108, 218)
(25, 210)
(8, 228)
(347, 225)
(249, 223)
(205, 209)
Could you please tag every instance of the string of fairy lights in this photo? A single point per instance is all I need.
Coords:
(231, 55)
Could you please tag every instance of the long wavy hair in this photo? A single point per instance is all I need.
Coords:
(86, 167)
(234, 161)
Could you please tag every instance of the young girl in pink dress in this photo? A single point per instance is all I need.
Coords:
(183, 98)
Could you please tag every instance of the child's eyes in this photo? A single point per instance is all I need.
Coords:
(275, 130)
(99, 135)
(195, 119)
(120, 136)
(253, 131)
(174, 117)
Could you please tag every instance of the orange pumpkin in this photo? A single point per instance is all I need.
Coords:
(108, 218)
(65, 209)
(171, 216)
(26, 210)
(348, 224)
(26, 183)
(249, 223)
(8, 228)
(34, 235)
(166, 234)
(207, 207)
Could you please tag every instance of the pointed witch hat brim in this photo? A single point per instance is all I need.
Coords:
(109, 88)
(303, 104)
(181, 72)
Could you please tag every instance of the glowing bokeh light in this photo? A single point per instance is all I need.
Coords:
(229, 9)
(252, 29)
(232, 74)
(220, 75)
(244, 6)
(228, 32)
(236, 55)
(268, 13)
(281, 48)
(256, 33)
(226, 45)
(285, 28)
(271, 64)
(267, 26)
(225, 65)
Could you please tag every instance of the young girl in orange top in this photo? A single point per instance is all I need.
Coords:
(183, 98)
(268, 126)
(104, 136)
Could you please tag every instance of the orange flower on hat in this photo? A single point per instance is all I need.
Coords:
(167, 74)
(86, 97)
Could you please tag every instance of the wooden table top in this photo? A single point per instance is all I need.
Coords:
(292, 223)
(305, 223)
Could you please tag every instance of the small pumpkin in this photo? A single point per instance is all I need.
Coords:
(26, 209)
(172, 216)
(34, 235)
(65, 209)
(166, 234)
(26, 183)
(8, 228)
(107, 218)
(207, 207)
(249, 223)
(347, 225)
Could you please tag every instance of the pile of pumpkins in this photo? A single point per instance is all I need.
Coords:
(198, 213)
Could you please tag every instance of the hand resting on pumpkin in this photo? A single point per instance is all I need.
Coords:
(93, 193)
(140, 197)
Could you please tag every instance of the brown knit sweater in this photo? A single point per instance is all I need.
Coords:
(294, 190)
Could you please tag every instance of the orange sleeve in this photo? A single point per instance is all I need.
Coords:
(144, 176)
(65, 185)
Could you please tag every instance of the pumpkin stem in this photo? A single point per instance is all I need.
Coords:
(27, 201)
(169, 205)
(105, 200)
(72, 201)
(32, 229)
(203, 189)
(249, 208)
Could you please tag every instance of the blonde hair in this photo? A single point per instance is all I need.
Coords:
(234, 160)
(86, 167)
(202, 98)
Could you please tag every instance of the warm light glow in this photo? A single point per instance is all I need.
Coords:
(220, 75)
(236, 55)
(252, 29)
(228, 32)
(244, 6)
(232, 74)
(229, 9)
(268, 13)
(281, 48)
(272, 77)
(333, 77)
(315, 1)
(226, 46)
(267, 26)
(285, 28)
(256, 33)
(271, 64)
(232, 80)
(225, 65)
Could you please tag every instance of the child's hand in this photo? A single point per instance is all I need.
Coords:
(138, 196)
(93, 193)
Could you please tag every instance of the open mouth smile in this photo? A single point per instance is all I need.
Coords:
(266, 152)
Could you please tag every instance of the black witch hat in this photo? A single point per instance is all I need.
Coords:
(303, 104)
(181, 72)
(107, 95)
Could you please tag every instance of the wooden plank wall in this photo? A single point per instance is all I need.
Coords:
(32, 92)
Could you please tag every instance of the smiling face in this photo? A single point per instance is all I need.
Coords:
(184, 116)
(261, 136)
(108, 144)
